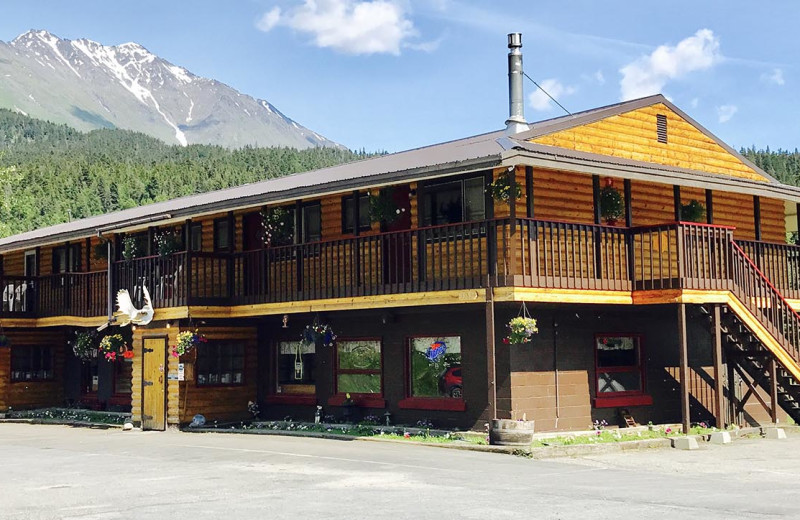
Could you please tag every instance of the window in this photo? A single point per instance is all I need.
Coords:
(435, 367)
(296, 365)
(454, 201)
(67, 259)
(31, 363)
(312, 222)
(31, 264)
(348, 213)
(619, 365)
(222, 238)
(359, 367)
(196, 237)
(220, 364)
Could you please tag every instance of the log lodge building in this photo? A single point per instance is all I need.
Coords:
(669, 320)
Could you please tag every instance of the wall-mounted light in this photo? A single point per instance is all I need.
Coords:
(412, 193)
(285, 321)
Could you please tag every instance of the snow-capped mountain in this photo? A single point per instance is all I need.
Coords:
(88, 85)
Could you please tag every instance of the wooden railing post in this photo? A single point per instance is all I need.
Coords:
(681, 255)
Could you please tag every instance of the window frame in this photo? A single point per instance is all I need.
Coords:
(627, 397)
(411, 402)
(349, 229)
(72, 258)
(428, 190)
(195, 227)
(304, 238)
(369, 400)
(219, 343)
(217, 224)
(29, 350)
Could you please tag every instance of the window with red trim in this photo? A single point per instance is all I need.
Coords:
(296, 363)
(435, 367)
(618, 365)
(359, 367)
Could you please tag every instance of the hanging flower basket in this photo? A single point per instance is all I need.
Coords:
(319, 332)
(112, 346)
(84, 347)
(187, 341)
(503, 187)
(521, 329)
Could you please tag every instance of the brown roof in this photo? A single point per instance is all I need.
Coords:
(472, 153)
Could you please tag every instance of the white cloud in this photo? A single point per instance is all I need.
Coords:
(726, 112)
(348, 26)
(694, 102)
(538, 100)
(648, 74)
(269, 20)
(598, 76)
(775, 77)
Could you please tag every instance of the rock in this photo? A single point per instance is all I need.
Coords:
(775, 433)
(685, 443)
(128, 426)
(720, 438)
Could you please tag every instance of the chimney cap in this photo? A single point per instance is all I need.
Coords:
(514, 40)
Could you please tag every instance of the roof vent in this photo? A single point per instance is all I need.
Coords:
(661, 128)
(516, 103)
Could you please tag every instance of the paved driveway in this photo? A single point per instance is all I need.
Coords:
(61, 472)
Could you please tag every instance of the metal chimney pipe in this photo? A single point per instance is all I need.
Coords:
(516, 100)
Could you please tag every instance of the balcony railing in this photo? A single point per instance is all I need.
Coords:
(503, 252)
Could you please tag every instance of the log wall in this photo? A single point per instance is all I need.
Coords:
(32, 394)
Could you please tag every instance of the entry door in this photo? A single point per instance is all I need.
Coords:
(397, 247)
(154, 381)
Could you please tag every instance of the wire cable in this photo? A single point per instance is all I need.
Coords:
(547, 93)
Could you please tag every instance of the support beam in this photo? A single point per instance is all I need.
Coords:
(491, 374)
(628, 204)
(732, 408)
(683, 345)
(709, 207)
(757, 215)
(529, 191)
(676, 197)
(719, 396)
(773, 390)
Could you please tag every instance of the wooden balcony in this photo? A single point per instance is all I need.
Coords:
(503, 252)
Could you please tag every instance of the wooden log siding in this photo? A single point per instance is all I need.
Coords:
(502, 209)
(652, 203)
(633, 135)
(562, 196)
(33, 394)
(773, 220)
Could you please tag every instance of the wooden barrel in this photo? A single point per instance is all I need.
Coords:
(506, 432)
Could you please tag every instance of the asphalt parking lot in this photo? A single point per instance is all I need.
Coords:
(51, 472)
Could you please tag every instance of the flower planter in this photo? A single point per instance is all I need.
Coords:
(507, 432)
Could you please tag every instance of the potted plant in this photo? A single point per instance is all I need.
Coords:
(612, 205)
(382, 207)
(521, 330)
(187, 341)
(693, 211)
(318, 332)
(503, 187)
(131, 248)
(167, 242)
(112, 346)
(83, 346)
(277, 226)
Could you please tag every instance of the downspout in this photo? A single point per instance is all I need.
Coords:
(555, 370)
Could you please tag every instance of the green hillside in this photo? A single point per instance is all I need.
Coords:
(52, 173)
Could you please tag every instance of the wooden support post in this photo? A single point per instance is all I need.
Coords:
(512, 244)
(757, 215)
(684, 367)
(719, 396)
(797, 222)
(709, 207)
(111, 284)
(628, 223)
(732, 409)
(676, 196)
(491, 374)
(187, 270)
(529, 191)
(598, 251)
(773, 390)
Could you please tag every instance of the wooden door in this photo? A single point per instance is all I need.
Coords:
(397, 246)
(154, 382)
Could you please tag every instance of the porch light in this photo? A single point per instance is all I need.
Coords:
(285, 321)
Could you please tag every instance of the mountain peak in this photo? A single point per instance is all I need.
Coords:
(88, 85)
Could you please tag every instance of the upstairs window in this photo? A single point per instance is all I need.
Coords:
(222, 236)
(452, 202)
(67, 259)
(196, 237)
(312, 222)
(348, 214)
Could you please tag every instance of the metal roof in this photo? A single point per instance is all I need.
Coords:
(472, 153)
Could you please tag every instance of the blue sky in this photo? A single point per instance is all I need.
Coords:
(397, 74)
